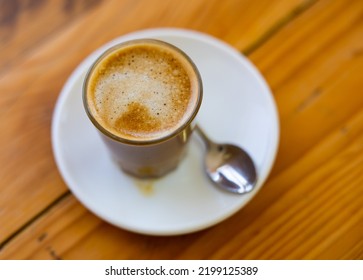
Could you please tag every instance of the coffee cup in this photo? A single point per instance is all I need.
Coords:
(143, 96)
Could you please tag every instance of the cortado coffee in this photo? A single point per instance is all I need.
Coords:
(143, 91)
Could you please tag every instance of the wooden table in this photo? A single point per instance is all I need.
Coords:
(311, 54)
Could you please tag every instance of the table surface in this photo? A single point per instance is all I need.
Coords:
(310, 53)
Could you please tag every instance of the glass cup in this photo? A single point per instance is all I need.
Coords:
(149, 157)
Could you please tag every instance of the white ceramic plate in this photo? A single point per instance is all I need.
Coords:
(237, 107)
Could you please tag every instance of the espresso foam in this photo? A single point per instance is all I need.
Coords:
(142, 91)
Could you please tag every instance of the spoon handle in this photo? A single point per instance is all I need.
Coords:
(203, 136)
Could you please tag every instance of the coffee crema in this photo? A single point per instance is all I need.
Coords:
(142, 91)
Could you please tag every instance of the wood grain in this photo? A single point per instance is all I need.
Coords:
(26, 24)
(322, 60)
(310, 207)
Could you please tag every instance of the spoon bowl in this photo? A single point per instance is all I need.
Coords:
(228, 166)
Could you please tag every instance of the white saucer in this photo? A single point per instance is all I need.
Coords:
(237, 107)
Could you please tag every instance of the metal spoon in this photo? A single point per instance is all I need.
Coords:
(228, 166)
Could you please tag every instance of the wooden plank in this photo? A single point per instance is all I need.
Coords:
(25, 24)
(29, 179)
(38, 241)
(69, 230)
(309, 105)
(312, 215)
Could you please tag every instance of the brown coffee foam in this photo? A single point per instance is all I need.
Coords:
(143, 91)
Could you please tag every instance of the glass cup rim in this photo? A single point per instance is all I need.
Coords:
(177, 131)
